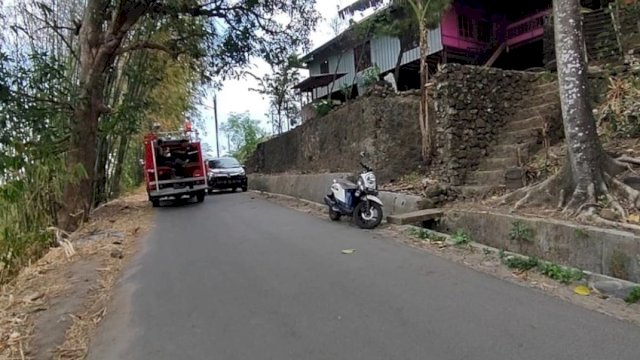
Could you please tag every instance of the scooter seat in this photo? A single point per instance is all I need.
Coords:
(346, 184)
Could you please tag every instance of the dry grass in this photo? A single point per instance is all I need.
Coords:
(113, 228)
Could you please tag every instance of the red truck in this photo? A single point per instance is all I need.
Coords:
(174, 167)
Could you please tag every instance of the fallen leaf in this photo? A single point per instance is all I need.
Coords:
(348, 251)
(582, 290)
(634, 218)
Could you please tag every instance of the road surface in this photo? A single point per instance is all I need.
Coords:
(242, 278)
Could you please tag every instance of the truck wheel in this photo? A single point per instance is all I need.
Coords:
(155, 203)
(200, 196)
(244, 189)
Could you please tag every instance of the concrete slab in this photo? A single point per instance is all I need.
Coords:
(415, 217)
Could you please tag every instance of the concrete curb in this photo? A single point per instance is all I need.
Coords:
(313, 187)
(591, 277)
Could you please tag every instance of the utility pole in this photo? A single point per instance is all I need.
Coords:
(215, 116)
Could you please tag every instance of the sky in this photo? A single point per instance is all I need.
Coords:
(235, 96)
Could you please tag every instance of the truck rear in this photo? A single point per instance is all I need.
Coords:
(174, 167)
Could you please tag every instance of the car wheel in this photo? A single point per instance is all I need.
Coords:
(244, 189)
(210, 191)
(155, 203)
(200, 196)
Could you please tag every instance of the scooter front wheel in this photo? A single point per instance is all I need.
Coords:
(367, 215)
(334, 215)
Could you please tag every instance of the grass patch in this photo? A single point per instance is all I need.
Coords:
(633, 297)
(461, 238)
(521, 263)
(520, 232)
(561, 273)
(427, 235)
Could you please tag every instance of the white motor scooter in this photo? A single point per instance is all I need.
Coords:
(358, 200)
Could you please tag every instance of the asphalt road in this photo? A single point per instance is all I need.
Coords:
(242, 278)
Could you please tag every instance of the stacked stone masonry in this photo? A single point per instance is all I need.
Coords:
(489, 120)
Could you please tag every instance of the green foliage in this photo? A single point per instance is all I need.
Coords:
(244, 135)
(371, 76)
(425, 234)
(634, 296)
(561, 273)
(323, 107)
(520, 232)
(619, 115)
(521, 263)
(461, 238)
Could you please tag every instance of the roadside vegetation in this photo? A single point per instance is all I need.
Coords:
(82, 81)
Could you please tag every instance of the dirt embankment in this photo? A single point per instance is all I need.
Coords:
(49, 311)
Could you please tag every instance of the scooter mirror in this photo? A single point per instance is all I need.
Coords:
(362, 154)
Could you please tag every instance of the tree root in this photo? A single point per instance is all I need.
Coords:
(626, 226)
(584, 199)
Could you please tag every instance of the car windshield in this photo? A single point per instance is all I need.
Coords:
(226, 163)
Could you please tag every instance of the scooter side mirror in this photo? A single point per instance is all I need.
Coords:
(362, 154)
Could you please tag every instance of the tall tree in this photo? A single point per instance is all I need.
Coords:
(427, 14)
(244, 134)
(589, 172)
(225, 34)
(278, 86)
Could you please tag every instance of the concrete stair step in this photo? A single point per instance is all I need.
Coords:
(547, 87)
(528, 123)
(519, 136)
(415, 217)
(525, 150)
(549, 97)
(476, 191)
(544, 110)
(486, 177)
(498, 163)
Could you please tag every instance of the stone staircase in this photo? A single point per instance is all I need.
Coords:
(600, 36)
(519, 139)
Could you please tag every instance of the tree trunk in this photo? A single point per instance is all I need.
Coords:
(100, 185)
(584, 148)
(97, 52)
(424, 96)
(396, 69)
(114, 189)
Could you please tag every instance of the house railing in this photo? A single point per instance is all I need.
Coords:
(526, 29)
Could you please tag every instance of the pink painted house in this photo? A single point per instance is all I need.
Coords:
(508, 34)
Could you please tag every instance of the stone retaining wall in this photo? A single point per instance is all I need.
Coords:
(472, 104)
(384, 125)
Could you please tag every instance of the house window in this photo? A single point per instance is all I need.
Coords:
(485, 31)
(465, 26)
(324, 67)
(362, 56)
